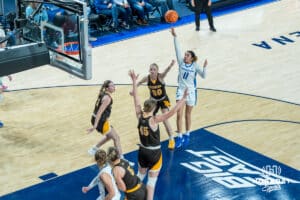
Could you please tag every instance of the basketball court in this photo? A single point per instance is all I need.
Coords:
(245, 142)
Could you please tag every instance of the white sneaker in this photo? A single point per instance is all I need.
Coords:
(92, 151)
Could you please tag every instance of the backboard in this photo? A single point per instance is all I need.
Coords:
(63, 26)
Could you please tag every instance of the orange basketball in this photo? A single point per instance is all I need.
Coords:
(171, 16)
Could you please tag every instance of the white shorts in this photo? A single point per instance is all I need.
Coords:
(191, 99)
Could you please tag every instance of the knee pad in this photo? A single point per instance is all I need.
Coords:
(152, 181)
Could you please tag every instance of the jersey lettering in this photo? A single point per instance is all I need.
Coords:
(144, 130)
(185, 75)
(157, 92)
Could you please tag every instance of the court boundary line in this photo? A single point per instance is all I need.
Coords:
(252, 120)
(246, 147)
(125, 84)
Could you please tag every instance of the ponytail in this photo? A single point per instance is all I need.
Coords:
(104, 86)
(102, 90)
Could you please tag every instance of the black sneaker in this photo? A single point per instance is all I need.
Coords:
(197, 29)
(213, 29)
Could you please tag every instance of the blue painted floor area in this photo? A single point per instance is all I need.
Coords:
(186, 17)
(210, 168)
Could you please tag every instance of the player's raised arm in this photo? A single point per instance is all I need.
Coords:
(137, 104)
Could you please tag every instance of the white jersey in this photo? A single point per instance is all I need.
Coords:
(107, 169)
(187, 72)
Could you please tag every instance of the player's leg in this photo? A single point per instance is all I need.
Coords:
(152, 178)
(169, 130)
(115, 137)
(104, 128)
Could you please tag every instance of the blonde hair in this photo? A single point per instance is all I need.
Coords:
(112, 154)
(100, 156)
(103, 88)
(149, 105)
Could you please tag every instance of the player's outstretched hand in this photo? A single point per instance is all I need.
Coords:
(133, 76)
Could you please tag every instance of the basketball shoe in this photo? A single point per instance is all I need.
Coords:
(92, 151)
(171, 144)
(179, 142)
(186, 140)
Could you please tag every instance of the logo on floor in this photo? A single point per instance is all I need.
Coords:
(233, 172)
(212, 167)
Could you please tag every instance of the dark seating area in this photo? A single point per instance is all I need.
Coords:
(101, 25)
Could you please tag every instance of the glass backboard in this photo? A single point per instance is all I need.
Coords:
(63, 26)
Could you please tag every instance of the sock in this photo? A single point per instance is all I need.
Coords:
(188, 133)
(180, 135)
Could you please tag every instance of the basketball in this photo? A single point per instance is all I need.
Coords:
(171, 16)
